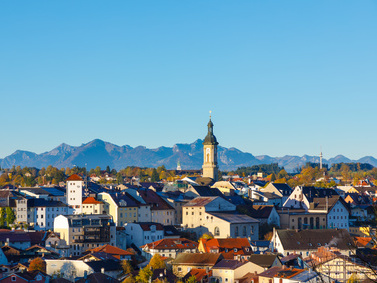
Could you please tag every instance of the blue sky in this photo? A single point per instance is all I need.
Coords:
(281, 77)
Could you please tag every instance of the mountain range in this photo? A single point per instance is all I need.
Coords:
(190, 156)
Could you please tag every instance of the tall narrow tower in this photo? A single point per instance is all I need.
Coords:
(320, 160)
(210, 143)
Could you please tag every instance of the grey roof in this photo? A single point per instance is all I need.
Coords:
(109, 265)
(228, 264)
(55, 191)
(123, 199)
(311, 192)
(39, 202)
(283, 188)
(313, 239)
(263, 260)
(234, 217)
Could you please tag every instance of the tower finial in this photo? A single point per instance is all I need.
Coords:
(210, 114)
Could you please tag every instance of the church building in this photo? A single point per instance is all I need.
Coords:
(210, 168)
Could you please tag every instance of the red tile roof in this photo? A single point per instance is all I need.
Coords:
(74, 177)
(116, 252)
(180, 243)
(227, 243)
(91, 200)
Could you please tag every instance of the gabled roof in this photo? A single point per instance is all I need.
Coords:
(233, 217)
(91, 200)
(271, 272)
(228, 264)
(313, 239)
(74, 177)
(99, 256)
(108, 265)
(200, 201)
(206, 191)
(285, 189)
(40, 202)
(197, 259)
(326, 203)
(198, 273)
(123, 199)
(146, 226)
(225, 243)
(154, 200)
(97, 277)
(311, 192)
(260, 211)
(181, 243)
(14, 236)
(263, 260)
(110, 250)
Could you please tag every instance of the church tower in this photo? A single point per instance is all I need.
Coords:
(210, 143)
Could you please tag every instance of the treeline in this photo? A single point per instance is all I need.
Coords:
(353, 167)
(267, 169)
(31, 176)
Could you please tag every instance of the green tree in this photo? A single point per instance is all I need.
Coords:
(119, 178)
(2, 216)
(155, 177)
(108, 169)
(144, 275)
(10, 215)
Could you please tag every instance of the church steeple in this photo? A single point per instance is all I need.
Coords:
(210, 143)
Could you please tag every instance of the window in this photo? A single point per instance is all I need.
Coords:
(13, 278)
(217, 231)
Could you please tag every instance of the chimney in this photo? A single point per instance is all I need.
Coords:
(103, 270)
(86, 274)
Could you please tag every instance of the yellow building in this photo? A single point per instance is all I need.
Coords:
(121, 207)
(92, 206)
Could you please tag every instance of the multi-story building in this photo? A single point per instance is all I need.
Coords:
(92, 206)
(74, 193)
(142, 233)
(82, 232)
(217, 216)
(161, 211)
(41, 213)
(169, 247)
(120, 206)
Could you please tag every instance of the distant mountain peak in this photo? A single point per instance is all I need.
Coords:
(101, 153)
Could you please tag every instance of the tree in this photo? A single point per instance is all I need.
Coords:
(126, 266)
(144, 275)
(129, 279)
(37, 264)
(156, 262)
(207, 236)
(119, 178)
(155, 177)
(108, 169)
(191, 279)
(2, 216)
(10, 215)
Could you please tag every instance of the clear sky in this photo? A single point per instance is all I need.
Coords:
(281, 77)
